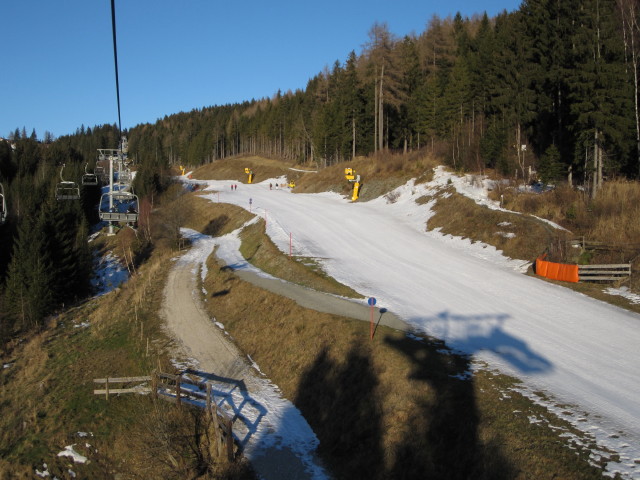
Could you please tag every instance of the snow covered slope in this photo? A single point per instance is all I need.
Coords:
(582, 352)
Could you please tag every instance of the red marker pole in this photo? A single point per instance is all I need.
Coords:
(371, 324)
(371, 302)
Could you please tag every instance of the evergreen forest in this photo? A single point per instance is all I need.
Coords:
(550, 88)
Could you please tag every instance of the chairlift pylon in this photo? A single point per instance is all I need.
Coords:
(3, 206)
(67, 190)
(89, 179)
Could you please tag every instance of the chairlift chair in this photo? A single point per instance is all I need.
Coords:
(119, 207)
(125, 176)
(89, 179)
(67, 190)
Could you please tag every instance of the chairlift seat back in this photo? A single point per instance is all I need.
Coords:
(90, 179)
(67, 191)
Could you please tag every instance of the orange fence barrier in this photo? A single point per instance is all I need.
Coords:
(557, 271)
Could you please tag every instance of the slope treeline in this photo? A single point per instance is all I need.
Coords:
(45, 260)
(553, 85)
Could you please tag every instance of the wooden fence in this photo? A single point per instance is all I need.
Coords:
(179, 390)
(604, 273)
(630, 249)
(125, 381)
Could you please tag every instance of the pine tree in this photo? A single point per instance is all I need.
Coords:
(29, 292)
(550, 168)
(600, 96)
(479, 62)
(60, 229)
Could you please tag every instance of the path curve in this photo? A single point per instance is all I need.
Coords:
(263, 420)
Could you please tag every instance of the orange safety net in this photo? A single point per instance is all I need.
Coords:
(556, 271)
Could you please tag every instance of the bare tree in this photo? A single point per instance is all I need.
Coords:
(630, 11)
(379, 51)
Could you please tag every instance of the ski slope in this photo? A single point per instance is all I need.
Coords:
(583, 353)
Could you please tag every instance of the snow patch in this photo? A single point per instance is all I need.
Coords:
(625, 293)
(109, 273)
(69, 451)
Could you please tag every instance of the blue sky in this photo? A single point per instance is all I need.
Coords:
(58, 72)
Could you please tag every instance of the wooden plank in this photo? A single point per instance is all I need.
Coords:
(194, 382)
(168, 376)
(121, 379)
(612, 265)
(610, 279)
(123, 390)
(597, 272)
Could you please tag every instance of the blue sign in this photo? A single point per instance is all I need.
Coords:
(371, 301)
(250, 201)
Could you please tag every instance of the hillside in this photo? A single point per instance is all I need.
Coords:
(398, 397)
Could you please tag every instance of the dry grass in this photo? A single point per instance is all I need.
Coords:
(616, 211)
(233, 169)
(379, 174)
(611, 217)
(518, 236)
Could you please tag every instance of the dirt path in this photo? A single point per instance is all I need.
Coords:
(261, 424)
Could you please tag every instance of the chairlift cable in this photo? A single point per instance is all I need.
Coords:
(115, 58)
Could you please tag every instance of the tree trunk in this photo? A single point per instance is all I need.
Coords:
(375, 115)
(381, 112)
(353, 137)
(595, 164)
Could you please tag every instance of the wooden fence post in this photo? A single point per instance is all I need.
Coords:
(229, 429)
(107, 389)
(208, 399)
(154, 385)
(178, 381)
